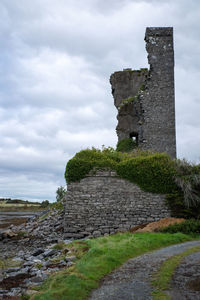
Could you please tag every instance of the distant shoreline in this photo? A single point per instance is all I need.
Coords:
(16, 217)
(16, 211)
(20, 208)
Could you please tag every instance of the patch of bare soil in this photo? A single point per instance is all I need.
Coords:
(13, 281)
(194, 284)
(10, 298)
(155, 226)
(13, 221)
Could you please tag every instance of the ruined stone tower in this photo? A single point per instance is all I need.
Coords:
(145, 98)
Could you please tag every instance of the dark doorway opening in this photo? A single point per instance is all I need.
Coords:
(134, 137)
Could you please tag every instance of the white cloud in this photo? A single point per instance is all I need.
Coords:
(55, 99)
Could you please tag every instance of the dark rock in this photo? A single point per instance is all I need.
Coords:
(11, 270)
(49, 252)
(38, 252)
(28, 264)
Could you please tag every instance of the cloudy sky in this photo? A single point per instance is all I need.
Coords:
(56, 57)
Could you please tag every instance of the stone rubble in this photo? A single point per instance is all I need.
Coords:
(31, 246)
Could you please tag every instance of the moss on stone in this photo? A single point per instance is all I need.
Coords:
(131, 99)
(127, 101)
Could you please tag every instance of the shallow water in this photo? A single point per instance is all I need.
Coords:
(15, 217)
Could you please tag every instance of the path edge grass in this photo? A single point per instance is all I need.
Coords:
(162, 278)
(105, 254)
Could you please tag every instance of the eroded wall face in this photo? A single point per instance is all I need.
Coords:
(104, 203)
(125, 88)
(158, 101)
(151, 114)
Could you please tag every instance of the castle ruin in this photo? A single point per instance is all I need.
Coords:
(102, 202)
(145, 98)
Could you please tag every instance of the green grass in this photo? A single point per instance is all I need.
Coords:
(9, 263)
(98, 257)
(59, 246)
(162, 278)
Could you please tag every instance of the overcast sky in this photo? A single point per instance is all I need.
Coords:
(56, 57)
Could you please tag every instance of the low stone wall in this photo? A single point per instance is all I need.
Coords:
(104, 203)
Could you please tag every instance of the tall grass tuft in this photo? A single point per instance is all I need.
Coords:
(188, 180)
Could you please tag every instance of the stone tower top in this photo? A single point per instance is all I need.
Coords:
(145, 98)
(158, 31)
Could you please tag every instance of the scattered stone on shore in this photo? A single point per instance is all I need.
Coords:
(31, 247)
(34, 269)
(48, 227)
(6, 234)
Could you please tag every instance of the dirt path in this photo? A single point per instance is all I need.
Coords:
(132, 281)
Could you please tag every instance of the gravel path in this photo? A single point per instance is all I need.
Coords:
(186, 279)
(132, 281)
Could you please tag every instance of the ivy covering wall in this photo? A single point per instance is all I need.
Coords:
(152, 172)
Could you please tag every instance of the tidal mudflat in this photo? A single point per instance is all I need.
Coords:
(14, 217)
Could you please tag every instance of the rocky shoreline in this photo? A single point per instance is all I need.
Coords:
(32, 251)
(29, 254)
(16, 218)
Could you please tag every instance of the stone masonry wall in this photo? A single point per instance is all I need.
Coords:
(104, 203)
(150, 116)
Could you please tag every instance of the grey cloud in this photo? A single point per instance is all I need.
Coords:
(55, 97)
(28, 187)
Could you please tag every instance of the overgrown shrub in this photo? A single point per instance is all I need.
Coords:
(188, 180)
(187, 227)
(60, 193)
(152, 172)
(57, 205)
(176, 203)
(185, 201)
(86, 160)
(126, 145)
